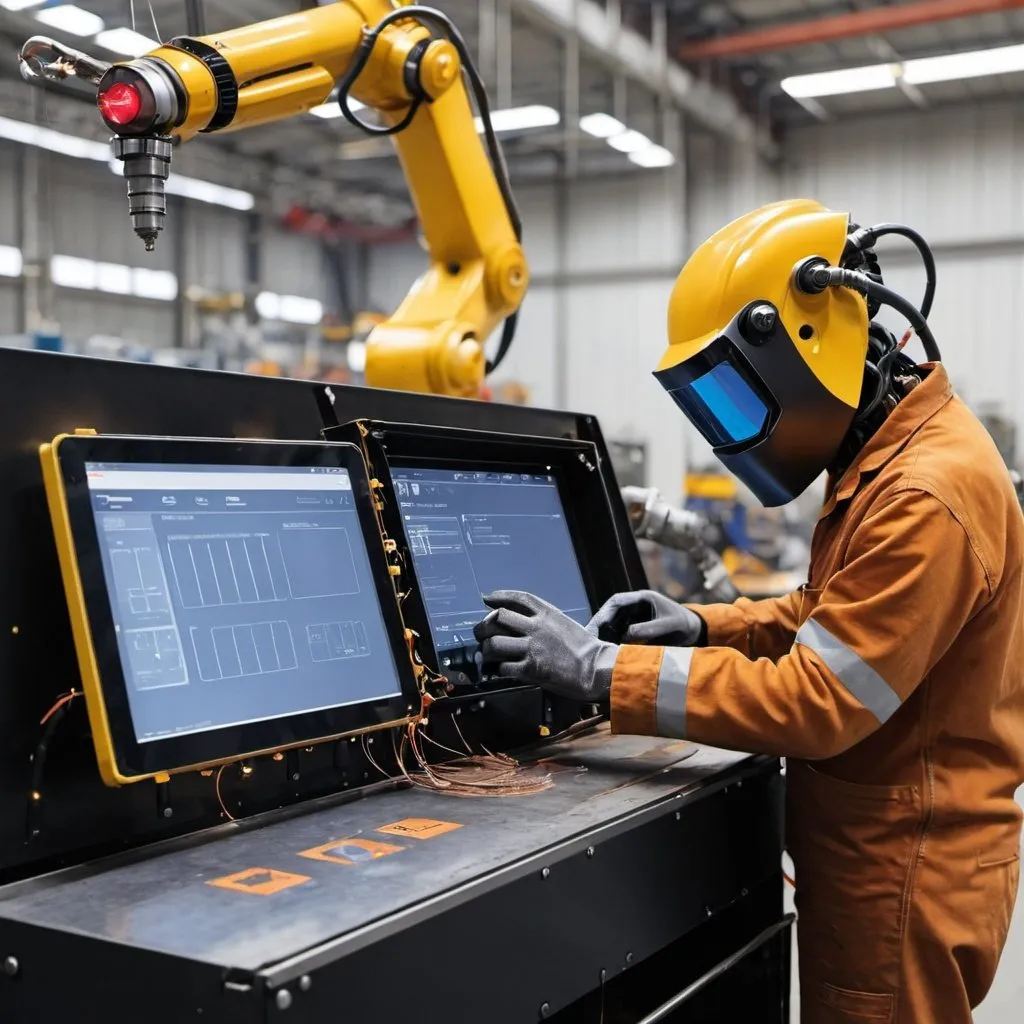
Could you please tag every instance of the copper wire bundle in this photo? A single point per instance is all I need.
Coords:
(469, 774)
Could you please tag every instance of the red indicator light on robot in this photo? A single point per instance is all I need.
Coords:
(120, 104)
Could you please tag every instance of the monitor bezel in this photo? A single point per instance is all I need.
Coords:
(575, 464)
(106, 690)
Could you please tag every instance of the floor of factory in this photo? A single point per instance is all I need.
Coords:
(1004, 1002)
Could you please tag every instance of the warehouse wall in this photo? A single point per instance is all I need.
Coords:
(603, 255)
(955, 175)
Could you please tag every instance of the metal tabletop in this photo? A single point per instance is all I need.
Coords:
(254, 895)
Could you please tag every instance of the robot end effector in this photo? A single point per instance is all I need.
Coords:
(139, 103)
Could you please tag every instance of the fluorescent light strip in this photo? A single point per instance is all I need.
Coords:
(844, 80)
(948, 67)
(11, 263)
(209, 192)
(514, 119)
(629, 141)
(518, 119)
(653, 156)
(69, 18)
(954, 66)
(292, 309)
(113, 278)
(640, 150)
(601, 126)
(125, 40)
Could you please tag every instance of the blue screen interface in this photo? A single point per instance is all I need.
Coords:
(238, 593)
(475, 532)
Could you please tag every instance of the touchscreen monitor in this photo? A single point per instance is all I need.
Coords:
(233, 606)
(474, 530)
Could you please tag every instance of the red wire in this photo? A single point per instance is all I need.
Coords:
(61, 701)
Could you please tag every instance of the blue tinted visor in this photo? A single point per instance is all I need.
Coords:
(722, 405)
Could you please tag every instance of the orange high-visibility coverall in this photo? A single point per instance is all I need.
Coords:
(894, 684)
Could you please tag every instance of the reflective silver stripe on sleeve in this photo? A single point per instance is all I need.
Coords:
(852, 671)
(670, 706)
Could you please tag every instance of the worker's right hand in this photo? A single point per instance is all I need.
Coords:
(646, 617)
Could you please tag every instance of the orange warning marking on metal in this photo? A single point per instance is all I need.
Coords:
(419, 828)
(351, 851)
(259, 881)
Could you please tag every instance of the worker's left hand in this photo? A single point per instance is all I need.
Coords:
(531, 641)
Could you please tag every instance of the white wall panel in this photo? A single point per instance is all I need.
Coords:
(616, 335)
(215, 241)
(537, 208)
(954, 172)
(629, 222)
(83, 315)
(532, 360)
(293, 264)
(391, 272)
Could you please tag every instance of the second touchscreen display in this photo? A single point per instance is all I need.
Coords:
(238, 593)
(475, 531)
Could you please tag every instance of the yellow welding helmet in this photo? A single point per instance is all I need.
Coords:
(769, 375)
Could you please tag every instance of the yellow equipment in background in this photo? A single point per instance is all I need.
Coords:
(742, 530)
(389, 59)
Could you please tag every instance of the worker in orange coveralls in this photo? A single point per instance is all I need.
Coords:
(893, 682)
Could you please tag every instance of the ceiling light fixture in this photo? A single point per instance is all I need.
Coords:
(630, 141)
(947, 67)
(11, 262)
(20, 5)
(518, 119)
(601, 126)
(653, 156)
(951, 67)
(844, 80)
(69, 18)
(124, 40)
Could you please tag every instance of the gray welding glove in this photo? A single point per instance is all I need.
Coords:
(531, 641)
(646, 617)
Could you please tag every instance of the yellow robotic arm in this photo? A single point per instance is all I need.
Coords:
(390, 59)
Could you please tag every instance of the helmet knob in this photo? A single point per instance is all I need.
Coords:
(762, 319)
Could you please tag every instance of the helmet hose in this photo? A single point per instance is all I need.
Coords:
(813, 276)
